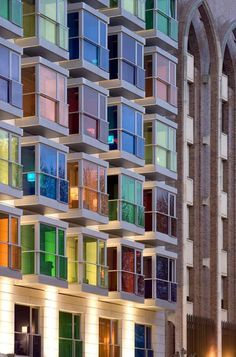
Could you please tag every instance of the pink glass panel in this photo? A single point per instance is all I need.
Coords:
(173, 95)
(48, 82)
(90, 175)
(91, 101)
(63, 114)
(163, 68)
(90, 126)
(47, 108)
(61, 88)
(162, 91)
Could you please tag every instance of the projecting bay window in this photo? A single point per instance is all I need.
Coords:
(11, 10)
(126, 199)
(87, 261)
(160, 145)
(88, 189)
(88, 36)
(45, 93)
(44, 172)
(125, 269)
(160, 211)
(10, 77)
(47, 20)
(44, 251)
(134, 7)
(87, 112)
(126, 129)
(161, 282)
(126, 59)
(162, 15)
(161, 77)
(70, 343)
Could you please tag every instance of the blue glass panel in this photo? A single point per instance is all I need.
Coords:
(128, 72)
(139, 353)
(140, 147)
(73, 19)
(139, 336)
(128, 143)
(103, 34)
(63, 185)
(104, 59)
(91, 53)
(128, 48)
(162, 268)
(16, 94)
(4, 93)
(173, 292)
(128, 119)
(28, 158)
(113, 141)
(74, 48)
(139, 55)
(4, 62)
(162, 290)
(62, 165)
(48, 186)
(148, 337)
(29, 184)
(148, 289)
(140, 78)
(15, 67)
(150, 353)
(112, 117)
(139, 124)
(48, 160)
(91, 27)
(113, 46)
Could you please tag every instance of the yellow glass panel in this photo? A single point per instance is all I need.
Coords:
(72, 249)
(4, 142)
(90, 274)
(4, 172)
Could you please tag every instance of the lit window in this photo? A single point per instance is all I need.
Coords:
(9, 242)
(27, 331)
(70, 344)
(143, 341)
(108, 338)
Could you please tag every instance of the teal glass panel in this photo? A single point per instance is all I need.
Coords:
(172, 140)
(141, 9)
(62, 268)
(4, 9)
(162, 135)
(163, 23)
(164, 5)
(139, 197)
(63, 37)
(129, 6)
(65, 348)
(161, 157)
(173, 161)
(48, 264)
(65, 324)
(76, 327)
(174, 29)
(61, 242)
(61, 12)
(140, 216)
(149, 4)
(114, 3)
(113, 210)
(16, 12)
(28, 158)
(128, 189)
(128, 212)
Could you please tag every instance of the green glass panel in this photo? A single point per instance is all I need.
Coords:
(140, 213)
(28, 7)
(4, 145)
(48, 264)
(164, 5)
(15, 148)
(139, 198)
(149, 4)
(65, 324)
(162, 135)
(4, 172)
(76, 327)
(29, 25)
(148, 154)
(63, 37)
(16, 172)
(172, 140)
(173, 161)
(128, 189)
(174, 29)
(114, 3)
(163, 23)
(90, 274)
(49, 8)
(47, 30)
(61, 12)
(27, 262)
(148, 133)
(128, 212)
(173, 9)
(129, 6)
(90, 249)
(27, 237)
(61, 242)
(113, 210)
(4, 9)
(141, 9)
(161, 157)
(65, 348)
(47, 238)
(78, 349)
(62, 268)
(16, 12)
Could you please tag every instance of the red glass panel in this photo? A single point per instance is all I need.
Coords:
(112, 281)
(148, 87)
(112, 258)
(15, 257)
(74, 123)
(162, 223)
(162, 201)
(90, 200)
(4, 255)
(90, 174)
(91, 101)
(147, 267)
(29, 105)
(140, 285)
(128, 282)
(173, 227)
(128, 259)
(73, 99)
(147, 200)
(148, 222)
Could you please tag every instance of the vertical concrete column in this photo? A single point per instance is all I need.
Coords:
(6, 316)
(51, 323)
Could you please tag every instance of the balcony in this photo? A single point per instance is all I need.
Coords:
(10, 257)
(10, 162)
(45, 29)
(160, 82)
(130, 14)
(126, 211)
(44, 260)
(127, 75)
(88, 126)
(125, 274)
(161, 24)
(87, 262)
(160, 214)
(45, 185)
(160, 149)
(88, 199)
(88, 52)
(160, 279)
(126, 142)
(10, 82)
(45, 109)
(11, 19)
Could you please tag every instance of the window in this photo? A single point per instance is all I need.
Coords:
(162, 15)
(11, 10)
(70, 344)
(52, 21)
(27, 331)
(52, 176)
(163, 86)
(87, 113)
(131, 62)
(91, 193)
(93, 39)
(166, 212)
(166, 288)
(50, 259)
(108, 338)
(126, 131)
(9, 242)
(10, 168)
(135, 7)
(143, 341)
(10, 79)
(130, 278)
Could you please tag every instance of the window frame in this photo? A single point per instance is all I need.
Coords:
(146, 349)
(73, 339)
(113, 322)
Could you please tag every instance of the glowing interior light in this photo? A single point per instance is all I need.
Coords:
(110, 139)
(24, 329)
(31, 176)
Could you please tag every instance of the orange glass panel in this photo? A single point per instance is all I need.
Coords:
(90, 200)
(162, 91)
(28, 80)
(74, 197)
(47, 108)
(15, 257)
(4, 229)
(3, 255)
(72, 172)
(29, 105)
(104, 331)
(14, 230)
(90, 174)
(48, 82)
